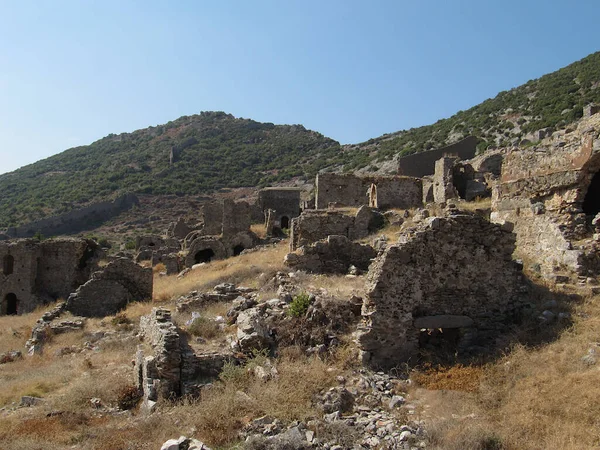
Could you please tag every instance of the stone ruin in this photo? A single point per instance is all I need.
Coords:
(111, 288)
(313, 225)
(284, 204)
(224, 232)
(550, 194)
(381, 192)
(451, 281)
(37, 272)
(336, 254)
(74, 221)
(166, 367)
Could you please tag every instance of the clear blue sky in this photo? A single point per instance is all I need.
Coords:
(72, 72)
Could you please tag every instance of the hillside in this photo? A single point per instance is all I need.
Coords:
(214, 150)
(554, 100)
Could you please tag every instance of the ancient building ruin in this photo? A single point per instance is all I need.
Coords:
(225, 232)
(111, 289)
(381, 192)
(336, 254)
(451, 280)
(170, 368)
(284, 201)
(38, 272)
(550, 194)
(423, 163)
(313, 225)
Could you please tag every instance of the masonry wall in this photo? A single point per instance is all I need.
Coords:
(423, 163)
(541, 193)
(77, 220)
(285, 202)
(453, 272)
(351, 190)
(45, 271)
(110, 289)
(313, 225)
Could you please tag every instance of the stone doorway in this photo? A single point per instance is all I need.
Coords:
(285, 222)
(238, 249)
(10, 305)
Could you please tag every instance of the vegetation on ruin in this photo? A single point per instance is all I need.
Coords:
(219, 151)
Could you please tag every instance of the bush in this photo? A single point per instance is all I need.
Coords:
(299, 305)
(203, 327)
(128, 397)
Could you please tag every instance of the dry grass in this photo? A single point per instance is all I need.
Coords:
(240, 397)
(259, 230)
(533, 399)
(478, 203)
(253, 270)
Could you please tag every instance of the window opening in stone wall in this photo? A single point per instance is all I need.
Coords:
(591, 202)
(204, 256)
(285, 222)
(238, 249)
(8, 264)
(10, 305)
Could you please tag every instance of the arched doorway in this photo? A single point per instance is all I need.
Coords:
(8, 264)
(204, 256)
(10, 305)
(591, 202)
(238, 249)
(285, 222)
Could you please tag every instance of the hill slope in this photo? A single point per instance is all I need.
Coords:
(217, 150)
(214, 150)
(554, 100)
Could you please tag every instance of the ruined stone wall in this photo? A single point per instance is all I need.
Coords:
(423, 163)
(284, 201)
(453, 272)
(541, 194)
(211, 215)
(110, 289)
(236, 217)
(41, 272)
(351, 190)
(332, 255)
(171, 368)
(77, 220)
(443, 188)
(314, 225)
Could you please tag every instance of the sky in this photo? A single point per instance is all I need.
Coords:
(72, 72)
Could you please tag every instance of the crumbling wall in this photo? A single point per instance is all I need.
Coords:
(236, 217)
(455, 273)
(76, 220)
(211, 217)
(284, 201)
(542, 193)
(110, 289)
(443, 188)
(43, 271)
(171, 368)
(423, 163)
(353, 190)
(332, 255)
(314, 225)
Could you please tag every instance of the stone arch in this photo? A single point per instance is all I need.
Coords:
(240, 242)
(8, 264)
(10, 305)
(205, 249)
